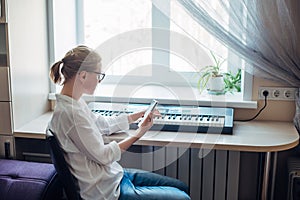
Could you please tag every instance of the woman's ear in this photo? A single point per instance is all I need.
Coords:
(82, 76)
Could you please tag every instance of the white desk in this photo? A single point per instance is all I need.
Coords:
(256, 136)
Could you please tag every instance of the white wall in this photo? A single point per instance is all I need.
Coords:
(28, 59)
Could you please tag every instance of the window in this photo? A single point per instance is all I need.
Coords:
(142, 45)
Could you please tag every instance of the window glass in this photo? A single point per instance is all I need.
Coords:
(186, 25)
(105, 19)
(131, 64)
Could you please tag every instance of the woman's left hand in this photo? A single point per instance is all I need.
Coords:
(135, 116)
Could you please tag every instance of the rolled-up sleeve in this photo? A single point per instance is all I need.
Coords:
(109, 125)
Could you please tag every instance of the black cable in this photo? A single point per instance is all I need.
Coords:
(265, 93)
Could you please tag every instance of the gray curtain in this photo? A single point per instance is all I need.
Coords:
(265, 33)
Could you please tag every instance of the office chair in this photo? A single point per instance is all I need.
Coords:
(67, 179)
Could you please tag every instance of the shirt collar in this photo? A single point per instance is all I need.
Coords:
(61, 97)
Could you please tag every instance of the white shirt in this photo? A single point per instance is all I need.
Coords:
(91, 161)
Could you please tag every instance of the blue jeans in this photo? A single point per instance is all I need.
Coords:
(143, 185)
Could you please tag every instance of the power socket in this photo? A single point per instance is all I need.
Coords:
(278, 93)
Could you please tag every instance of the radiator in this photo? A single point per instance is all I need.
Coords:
(210, 174)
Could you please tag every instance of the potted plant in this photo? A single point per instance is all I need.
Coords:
(233, 81)
(211, 77)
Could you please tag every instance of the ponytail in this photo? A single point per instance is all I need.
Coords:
(55, 72)
(78, 59)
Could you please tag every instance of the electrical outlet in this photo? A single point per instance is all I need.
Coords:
(278, 93)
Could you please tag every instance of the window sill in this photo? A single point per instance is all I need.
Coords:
(165, 95)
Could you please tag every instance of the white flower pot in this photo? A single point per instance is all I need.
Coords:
(216, 84)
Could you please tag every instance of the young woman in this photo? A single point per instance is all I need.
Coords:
(79, 132)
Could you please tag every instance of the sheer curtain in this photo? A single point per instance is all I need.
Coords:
(265, 33)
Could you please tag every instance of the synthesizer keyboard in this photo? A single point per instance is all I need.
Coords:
(175, 118)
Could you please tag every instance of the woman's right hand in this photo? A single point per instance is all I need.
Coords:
(147, 124)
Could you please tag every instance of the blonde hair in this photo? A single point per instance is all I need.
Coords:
(81, 58)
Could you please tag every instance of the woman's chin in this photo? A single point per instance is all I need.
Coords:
(89, 92)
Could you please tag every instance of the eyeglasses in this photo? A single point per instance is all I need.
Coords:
(100, 76)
